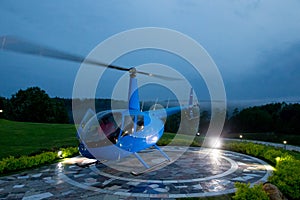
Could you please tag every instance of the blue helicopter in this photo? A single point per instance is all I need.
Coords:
(114, 134)
(111, 134)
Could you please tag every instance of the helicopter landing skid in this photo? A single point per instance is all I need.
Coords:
(89, 163)
(148, 168)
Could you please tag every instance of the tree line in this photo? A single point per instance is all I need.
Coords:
(35, 105)
(274, 117)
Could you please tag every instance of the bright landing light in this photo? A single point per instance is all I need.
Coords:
(218, 144)
(215, 143)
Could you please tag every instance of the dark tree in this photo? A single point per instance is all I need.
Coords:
(290, 119)
(252, 119)
(275, 117)
(59, 111)
(173, 122)
(204, 122)
(2, 106)
(34, 105)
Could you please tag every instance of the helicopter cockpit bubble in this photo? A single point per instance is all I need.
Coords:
(134, 124)
(102, 130)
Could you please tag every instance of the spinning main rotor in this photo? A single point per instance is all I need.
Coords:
(18, 45)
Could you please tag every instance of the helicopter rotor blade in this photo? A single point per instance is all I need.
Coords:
(15, 44)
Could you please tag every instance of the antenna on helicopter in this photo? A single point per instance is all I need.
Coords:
(142, 107)
(168, 102)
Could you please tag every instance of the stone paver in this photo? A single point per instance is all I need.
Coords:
(196, 173)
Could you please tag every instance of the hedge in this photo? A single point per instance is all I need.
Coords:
(287, 176)
(12, 164)
(245, 192)
(287, 168)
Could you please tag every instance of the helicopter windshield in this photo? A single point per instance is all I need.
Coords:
(102, 130)
(132, 124)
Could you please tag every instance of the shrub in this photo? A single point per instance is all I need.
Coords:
(245, 192)
(68, 152)
(258, 150)
(287, 176)
(272, 154)
(11, 164)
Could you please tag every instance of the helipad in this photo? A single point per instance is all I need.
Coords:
(196, 173)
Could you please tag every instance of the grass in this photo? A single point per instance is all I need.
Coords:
(23, 138)
(20, 138)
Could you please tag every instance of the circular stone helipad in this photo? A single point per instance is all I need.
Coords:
(196, 173)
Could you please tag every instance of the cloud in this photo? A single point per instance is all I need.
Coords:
(276, 75)
(244, 38)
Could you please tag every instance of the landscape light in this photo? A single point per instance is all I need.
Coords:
(59, 154)
(241, 136)
(284, 142)
(277, 159)
(1, 111)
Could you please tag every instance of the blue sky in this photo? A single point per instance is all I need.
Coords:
(255, 44)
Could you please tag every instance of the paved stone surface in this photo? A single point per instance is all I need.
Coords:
(197, 173)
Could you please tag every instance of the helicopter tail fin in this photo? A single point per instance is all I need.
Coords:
(162, 113)
(191, 107)
(191, 99)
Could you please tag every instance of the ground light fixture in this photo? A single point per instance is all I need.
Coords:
(59, 154)
(284, 143)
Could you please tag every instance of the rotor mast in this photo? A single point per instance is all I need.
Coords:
(133, 95)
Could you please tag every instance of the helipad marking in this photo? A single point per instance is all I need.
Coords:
(164, 190)
(233, 168)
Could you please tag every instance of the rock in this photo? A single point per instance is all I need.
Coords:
(273, 192)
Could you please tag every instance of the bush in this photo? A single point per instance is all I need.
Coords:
(245, 192)
(272, 154)
(258, 150)
(69, 152)
(11, 164)
(287, 176)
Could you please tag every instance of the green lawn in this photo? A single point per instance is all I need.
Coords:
(20, 138)
(23, 138)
